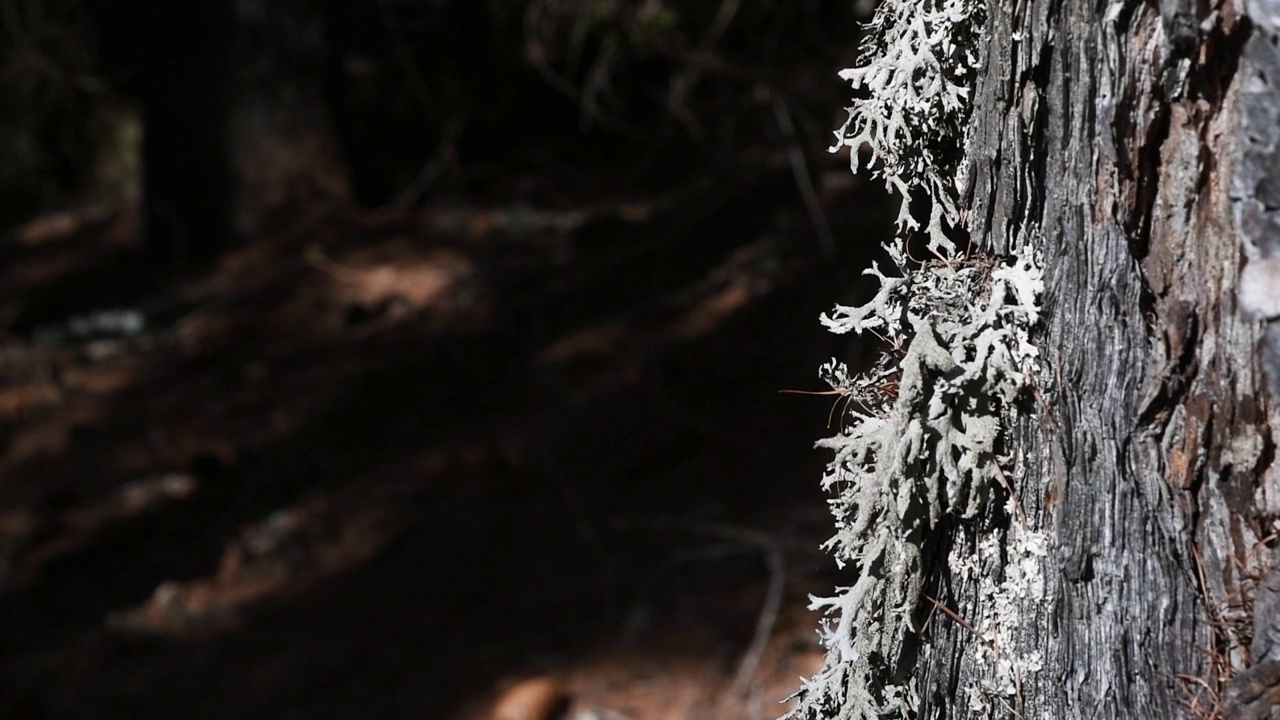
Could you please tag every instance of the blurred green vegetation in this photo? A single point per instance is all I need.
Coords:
(67, 132)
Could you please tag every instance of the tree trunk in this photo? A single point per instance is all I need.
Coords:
(1110, 133)
(237, 129)
(185, 88)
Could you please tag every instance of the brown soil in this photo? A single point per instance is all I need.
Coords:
(381, 465)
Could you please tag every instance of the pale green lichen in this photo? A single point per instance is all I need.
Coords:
(924, 435)
(919, 60)
(904, 461)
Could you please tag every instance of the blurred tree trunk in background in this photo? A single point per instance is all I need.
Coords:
(1108, 134)
(236, 126)
(185, 66)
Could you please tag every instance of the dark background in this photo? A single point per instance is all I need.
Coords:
(363, 359)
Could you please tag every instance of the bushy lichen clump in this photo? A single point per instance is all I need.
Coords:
(902, 463)
(919, 60)
(924, 432)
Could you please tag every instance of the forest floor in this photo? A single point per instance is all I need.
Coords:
(392, 465)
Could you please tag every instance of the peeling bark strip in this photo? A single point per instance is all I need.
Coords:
(1106, 136)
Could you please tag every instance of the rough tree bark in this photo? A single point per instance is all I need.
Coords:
(1110, 133)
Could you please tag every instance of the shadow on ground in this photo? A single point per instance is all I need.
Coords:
(386, 465)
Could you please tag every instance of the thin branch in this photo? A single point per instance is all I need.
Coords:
(446, 155)
(804, 181)
(764, 624)
(684, 83)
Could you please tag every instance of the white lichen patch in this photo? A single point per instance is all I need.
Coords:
(1001, 600)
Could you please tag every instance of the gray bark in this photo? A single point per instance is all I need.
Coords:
(1107, 134)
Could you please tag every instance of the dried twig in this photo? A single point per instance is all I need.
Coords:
(953, 615)
(843, 393)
